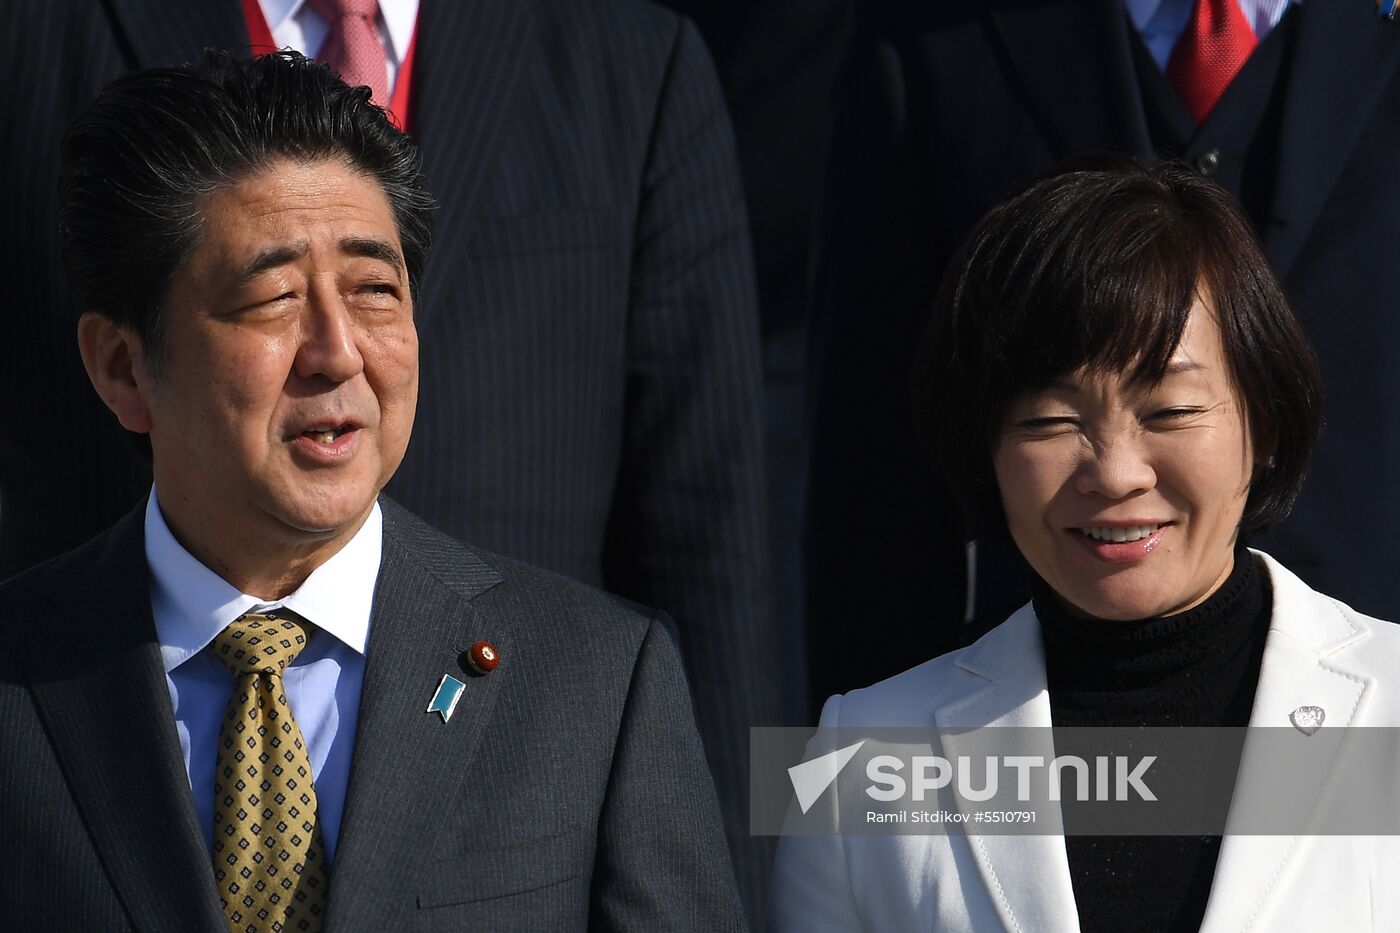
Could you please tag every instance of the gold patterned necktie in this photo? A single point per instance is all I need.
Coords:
(269, 860)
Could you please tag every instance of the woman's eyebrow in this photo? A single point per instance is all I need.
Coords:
(1174, 368)
(1182, 366)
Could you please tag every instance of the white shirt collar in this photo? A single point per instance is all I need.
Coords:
(399, 17)
(192, 604)
(277, 12)
(1263, 15)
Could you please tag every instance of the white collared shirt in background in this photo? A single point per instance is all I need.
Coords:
(1161, 22)
(191, 604)
(296, 25)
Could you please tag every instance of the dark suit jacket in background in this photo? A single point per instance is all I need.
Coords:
(947, 108)
(590, 397)
(776, 62)
(567, 792)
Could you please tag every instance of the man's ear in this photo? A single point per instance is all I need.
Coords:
(110, 355)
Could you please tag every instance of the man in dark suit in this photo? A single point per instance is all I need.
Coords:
(591, 397)
(944, 109)
(776, 61)
(269, 698)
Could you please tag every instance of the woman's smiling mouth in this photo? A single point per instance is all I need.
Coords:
(1121, 542)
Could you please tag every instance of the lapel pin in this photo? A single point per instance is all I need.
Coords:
(1307, 719)
(483, 657)
(444, 701)
(1387, 8)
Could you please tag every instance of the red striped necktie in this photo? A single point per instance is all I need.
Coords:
(1209, 54)
(352, 45)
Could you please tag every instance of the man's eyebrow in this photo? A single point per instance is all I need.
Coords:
(372, 248)
(270, 259)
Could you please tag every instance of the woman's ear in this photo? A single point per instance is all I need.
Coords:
(110, 356)
(1264, 443)
(1263, 462)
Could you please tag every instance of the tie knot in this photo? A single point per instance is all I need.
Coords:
(260, 643)
(333, 10)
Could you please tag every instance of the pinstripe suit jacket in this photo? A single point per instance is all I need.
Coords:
(590, 396)
(567, 792)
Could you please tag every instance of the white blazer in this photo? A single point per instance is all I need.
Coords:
(1318, 652)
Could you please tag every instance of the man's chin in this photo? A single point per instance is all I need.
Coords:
(323, 517)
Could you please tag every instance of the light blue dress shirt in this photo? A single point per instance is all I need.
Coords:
(192, 604)
(1161, 22)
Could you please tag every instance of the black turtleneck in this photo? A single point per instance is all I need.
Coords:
(1196, 668)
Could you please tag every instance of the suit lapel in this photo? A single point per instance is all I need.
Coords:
(1298, 670)
(101, 691)
(408, 763)
(1339, 70)
(1076, 52)
(1027, 876)
(468, 59)
(161, 32)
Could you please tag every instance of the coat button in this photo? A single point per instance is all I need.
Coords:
(483, 657)
(1208, 161)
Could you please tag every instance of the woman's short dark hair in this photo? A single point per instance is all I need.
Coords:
(153, 143)
(1096, 265)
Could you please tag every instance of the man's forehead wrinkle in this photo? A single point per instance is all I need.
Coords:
(269, 206)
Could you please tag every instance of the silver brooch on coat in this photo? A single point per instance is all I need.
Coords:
(1308, 719)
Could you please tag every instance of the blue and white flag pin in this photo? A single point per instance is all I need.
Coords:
(445, 698)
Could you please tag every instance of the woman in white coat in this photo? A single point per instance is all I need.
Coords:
(1113, 375)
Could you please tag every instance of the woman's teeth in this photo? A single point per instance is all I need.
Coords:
(1120, 534)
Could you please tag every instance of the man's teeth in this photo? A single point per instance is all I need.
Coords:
(322, 437)
(1120, 534)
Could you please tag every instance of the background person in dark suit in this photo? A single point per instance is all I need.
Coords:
(591, 398)
(246, 241)
(942, 110)
(776, 62)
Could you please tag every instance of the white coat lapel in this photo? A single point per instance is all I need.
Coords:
(1027, 877)
(1299, 669)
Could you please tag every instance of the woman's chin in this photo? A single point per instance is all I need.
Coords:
(1116, 600)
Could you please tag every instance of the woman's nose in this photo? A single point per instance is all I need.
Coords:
(1115, 469)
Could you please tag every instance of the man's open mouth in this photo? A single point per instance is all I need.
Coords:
(327, 434)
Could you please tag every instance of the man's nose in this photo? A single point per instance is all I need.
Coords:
(1115, 468)
(329, 345)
